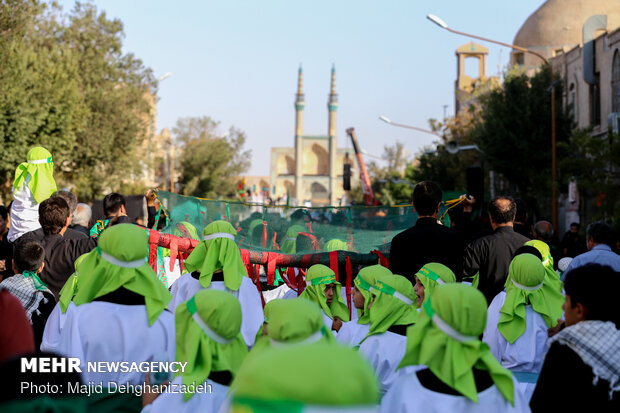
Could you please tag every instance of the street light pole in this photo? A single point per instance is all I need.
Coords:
(554, 200)
(400, 125)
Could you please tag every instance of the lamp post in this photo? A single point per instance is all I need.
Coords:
(554, 201)
(400, 125)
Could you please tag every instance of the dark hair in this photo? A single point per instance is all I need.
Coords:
(600, 232)
(426, 196)
(575, 224)
(544, 230)
(69, 197)
(53, 214)
(595, 286)
(528, 249)
(112, 203)
(521, 213)
(28, 256)
(4, 213)
(502, 209)
(304, 243)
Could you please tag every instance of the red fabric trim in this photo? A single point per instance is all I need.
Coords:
(301, 281)
(258, 287)
(290, 275)
(153, 240)
(263, 238)
(271, 267)
(348, 283)
(382, 260)
(174, 252)
(333, 263)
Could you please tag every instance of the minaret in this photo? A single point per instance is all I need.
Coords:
(299, 131)
(332, 107)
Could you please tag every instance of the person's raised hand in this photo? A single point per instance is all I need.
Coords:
(337, 324)
(468, 202)
(150, 197)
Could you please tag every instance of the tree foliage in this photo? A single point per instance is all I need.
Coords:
(514, 130)
(210, 163)
(66, 84)
(594, 162)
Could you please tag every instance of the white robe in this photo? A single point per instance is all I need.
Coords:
(407, 395)
(199, 402)
(385, 351)
(527, 353)
(252, 315)
(351, 333)
(173, 275)
(24, 213)
(102, 331)
(53, 327)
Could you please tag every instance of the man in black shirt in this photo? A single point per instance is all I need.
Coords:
(490, 256)
(427, 241)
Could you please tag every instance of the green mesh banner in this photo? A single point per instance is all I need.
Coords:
(288, 229)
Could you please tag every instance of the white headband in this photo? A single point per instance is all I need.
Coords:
(446, 328)
(403, 298)
(312, 339)
(219, 235)
(212, 334)
(525, 287)
(125, 264)
(38, 161)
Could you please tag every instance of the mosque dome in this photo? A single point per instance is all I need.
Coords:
(558, 24)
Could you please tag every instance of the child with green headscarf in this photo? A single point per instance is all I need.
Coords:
(209, 341)
(428, 277)
(323, 289)
(119, 312)
(459, 372)
(293, 322)
(353, 332)
(319, 377)
(391, 313)
(552, 277)
(518, 319)
(216, 263)
(34, 183)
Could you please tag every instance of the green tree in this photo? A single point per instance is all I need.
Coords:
(210, 163)
(514, 131)
(118, 91)
(594, 163)
(40, 98)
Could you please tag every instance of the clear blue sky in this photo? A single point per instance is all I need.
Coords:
(236, 61)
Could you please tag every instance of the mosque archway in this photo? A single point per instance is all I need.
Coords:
(315, 160)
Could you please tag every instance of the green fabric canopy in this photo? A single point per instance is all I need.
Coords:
(446, 340)
(317, 277)
(218, 251)
(120, 260)
(525, 286)
(293, 378)
(393, 305)
(335, 244)
(366, 278)
(208, 336)
(40, 168)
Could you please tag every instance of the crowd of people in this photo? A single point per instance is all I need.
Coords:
(451, 322)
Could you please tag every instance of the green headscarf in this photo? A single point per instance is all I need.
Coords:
(253, 224)
(288, 242)
(393, 305)
(446, 340)
(120, 261)
(218, 251)
(366, 278)
(295, 322)
(40, 168)
(291, 378)
(70, 288)
(433, 274)
(335, 244)
(552, 277)
(187, 230)
(316, 278)
(208, 336)
(525, 285)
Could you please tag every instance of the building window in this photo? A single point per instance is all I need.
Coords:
(519, 59)
(595, 101)
(572, 100)
(615, 82)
